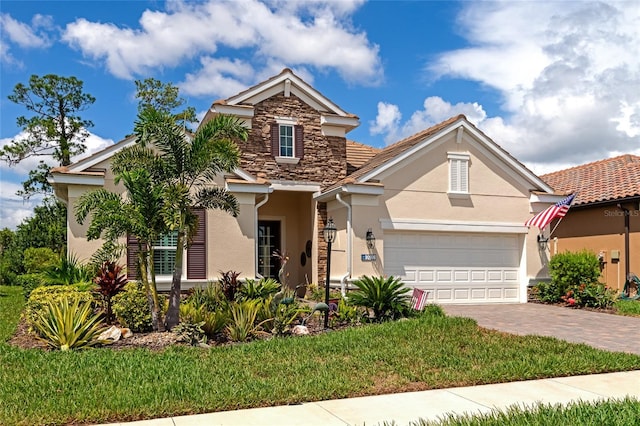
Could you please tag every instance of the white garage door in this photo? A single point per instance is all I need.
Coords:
(456, 267)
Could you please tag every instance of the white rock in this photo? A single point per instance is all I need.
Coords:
(112, 333)
(299, 330)
(126, 333)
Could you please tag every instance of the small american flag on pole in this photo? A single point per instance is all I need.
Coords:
(545, 217)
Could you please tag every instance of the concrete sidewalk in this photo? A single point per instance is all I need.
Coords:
(403, 408)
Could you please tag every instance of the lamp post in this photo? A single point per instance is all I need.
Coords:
(329, 235)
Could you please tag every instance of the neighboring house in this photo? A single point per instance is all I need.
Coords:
(604, 217)
(446, 206)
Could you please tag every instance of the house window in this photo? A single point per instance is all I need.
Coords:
(286, 141)
(164, 253)
(458, 173)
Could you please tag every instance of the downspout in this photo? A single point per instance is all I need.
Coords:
(626, 241)
(260, 204)
(343, 280)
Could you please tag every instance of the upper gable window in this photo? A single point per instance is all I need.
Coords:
(287, 141)
(458, 173)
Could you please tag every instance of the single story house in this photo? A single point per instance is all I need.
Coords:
(605, 215)
(446, 206)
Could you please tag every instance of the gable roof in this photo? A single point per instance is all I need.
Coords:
(289, 83)
(406, 147)
(604, 180)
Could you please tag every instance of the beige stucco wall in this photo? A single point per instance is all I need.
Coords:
(416, 189)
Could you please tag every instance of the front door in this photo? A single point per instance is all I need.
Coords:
(268, 242)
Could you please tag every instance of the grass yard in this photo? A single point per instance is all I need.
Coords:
(103, 385)
(623, 412)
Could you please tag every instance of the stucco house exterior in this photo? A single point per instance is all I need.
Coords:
(604, 217)
(446, 206)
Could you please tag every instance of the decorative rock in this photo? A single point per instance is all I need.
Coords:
(126, 333)
(299, 330)
(112, 333)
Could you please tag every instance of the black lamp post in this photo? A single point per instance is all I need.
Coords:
(329, 235)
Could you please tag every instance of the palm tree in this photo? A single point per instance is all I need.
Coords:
(138, 214)
(189, 165)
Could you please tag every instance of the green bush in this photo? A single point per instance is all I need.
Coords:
(69, 270)
(64, 325)
(594, 295)
(41, 297)
(211, 322)
(262, 289)
(547, 292)
(131, 307)
(39, 259)
(29, 282)
(574, 268)
(387, 297)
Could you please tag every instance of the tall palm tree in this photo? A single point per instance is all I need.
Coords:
(189, 166)
(137, 213)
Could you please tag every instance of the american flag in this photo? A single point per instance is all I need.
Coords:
(559, 209)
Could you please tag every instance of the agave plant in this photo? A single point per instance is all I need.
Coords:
(110, 281)
(63, 326)
(387, 297)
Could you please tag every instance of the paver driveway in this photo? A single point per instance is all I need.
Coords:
(605, 331)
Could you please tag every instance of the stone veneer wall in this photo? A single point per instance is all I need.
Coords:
(325, 157)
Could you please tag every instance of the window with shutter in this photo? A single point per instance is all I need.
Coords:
(132, 257)
(287, 141)
(458, 173)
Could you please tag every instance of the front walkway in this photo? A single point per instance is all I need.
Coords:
(404, 408)
(615, 333)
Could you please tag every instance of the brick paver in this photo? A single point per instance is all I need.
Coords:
(604, 331)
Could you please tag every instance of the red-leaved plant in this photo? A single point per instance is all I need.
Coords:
(110, 281)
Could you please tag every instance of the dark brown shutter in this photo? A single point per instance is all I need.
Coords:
(299, 136)
(275, 140)
(132, 257)
(197, 251)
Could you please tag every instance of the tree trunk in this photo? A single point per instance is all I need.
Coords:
(173, 313)
(156, 310)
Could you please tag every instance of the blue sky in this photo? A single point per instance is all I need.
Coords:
(555, 83)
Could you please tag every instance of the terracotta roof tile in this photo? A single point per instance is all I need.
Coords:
(604, 180)
(358, 154)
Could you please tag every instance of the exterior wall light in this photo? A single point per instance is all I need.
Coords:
(371, 240)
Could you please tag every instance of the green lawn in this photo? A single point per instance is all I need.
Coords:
(623, 412)
(102, 385)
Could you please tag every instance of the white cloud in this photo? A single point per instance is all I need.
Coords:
(317, 34)
(387, 120)
(568, 74)
(13, 209)
(36, 35)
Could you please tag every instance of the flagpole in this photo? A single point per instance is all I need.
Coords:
(562, 217)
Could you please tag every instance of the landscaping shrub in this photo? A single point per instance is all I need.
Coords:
(41, 297)
(387, 297)
(594, 295)
(211, 322)
(29, 282)
(131, 307)
(210, 296)
(261, 289)
(243, 325)
(39, 259)
(64, 325)
(574, 268)
(547, 292)
(69, 270)
(109, 281)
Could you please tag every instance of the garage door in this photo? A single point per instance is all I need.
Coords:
(456, 267)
